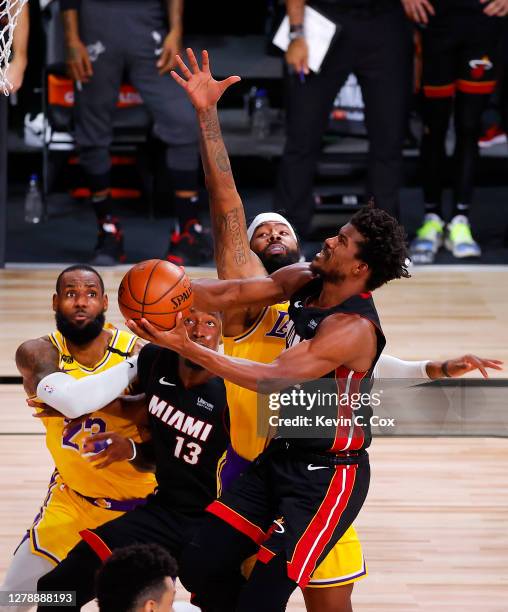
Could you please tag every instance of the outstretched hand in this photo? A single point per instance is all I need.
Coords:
(174, 339)
(203, 90)
(468, 363)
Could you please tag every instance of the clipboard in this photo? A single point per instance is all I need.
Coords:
(319, 34)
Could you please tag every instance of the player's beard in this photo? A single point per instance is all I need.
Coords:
(79, 335)
(272, 263)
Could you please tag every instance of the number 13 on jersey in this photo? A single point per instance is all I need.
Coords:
(190, 450)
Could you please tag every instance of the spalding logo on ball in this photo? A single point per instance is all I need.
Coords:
(155, 290)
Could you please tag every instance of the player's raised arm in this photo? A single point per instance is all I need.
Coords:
(223, 295)
(233, 256)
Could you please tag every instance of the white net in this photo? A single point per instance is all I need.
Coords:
(9, 13)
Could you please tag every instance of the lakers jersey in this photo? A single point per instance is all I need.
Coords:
(262, 342)
(120, 480)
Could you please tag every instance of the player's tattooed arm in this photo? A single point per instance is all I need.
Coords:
(233, 256)
(36, 359)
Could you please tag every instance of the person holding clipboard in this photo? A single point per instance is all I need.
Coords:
(372, 40)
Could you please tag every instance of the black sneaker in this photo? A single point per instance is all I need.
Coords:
(202, 239)
(191, 247)
(109, 249)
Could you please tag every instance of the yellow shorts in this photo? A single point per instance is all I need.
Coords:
(344, 564)
(63, 514)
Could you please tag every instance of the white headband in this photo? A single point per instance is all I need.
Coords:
(269, 217)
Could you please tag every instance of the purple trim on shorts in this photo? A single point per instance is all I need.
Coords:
(234, 466)
(362, 572)
(23, 539)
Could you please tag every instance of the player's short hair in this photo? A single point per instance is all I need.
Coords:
(85, 268)
(384, 249)
(132, 575)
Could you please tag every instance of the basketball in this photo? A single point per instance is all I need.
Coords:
(156, 290)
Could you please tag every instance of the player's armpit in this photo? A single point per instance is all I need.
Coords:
(36, 359)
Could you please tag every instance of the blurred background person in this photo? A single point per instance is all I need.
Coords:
(104, 40)
(373, 41)
(460, 49)
(137, 578)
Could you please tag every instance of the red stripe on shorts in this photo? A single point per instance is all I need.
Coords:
(319, 531)
(239, 522)
(100, 548)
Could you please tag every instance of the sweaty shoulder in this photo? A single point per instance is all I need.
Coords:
(345, 321)
(350, 335)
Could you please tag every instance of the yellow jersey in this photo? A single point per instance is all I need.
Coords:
(263, 342)
(119, 481)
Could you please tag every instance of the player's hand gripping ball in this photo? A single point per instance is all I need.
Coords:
(156, 290)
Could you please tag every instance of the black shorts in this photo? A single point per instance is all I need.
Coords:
(151, 523)
(296, 504)
(460, 53)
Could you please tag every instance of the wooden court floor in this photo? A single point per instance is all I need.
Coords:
(435, 525)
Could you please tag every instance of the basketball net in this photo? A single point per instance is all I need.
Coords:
(9, 13)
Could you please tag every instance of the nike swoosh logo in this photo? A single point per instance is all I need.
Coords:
(311, 467)
(165, 382)
(131, 364)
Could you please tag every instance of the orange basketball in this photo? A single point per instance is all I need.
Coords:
(155, 290)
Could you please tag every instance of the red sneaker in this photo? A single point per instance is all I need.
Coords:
(492, 136)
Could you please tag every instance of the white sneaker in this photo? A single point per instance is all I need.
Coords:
(429, 239)
(460, 240)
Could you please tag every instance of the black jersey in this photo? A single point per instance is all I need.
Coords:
(349, 409)
(188, 427)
